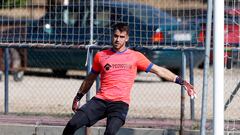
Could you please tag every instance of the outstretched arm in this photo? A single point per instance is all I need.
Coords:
(84, 88)
(168, 75)
(87, 83)
(162, 72)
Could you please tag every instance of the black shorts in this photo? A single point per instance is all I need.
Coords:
(97, 109)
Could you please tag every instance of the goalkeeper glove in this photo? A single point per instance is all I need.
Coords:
(188, 87)
(75, 104)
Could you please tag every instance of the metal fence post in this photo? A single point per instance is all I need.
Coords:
(6, 69)
(89, 66)
(183, 72)
(90, 55)
(192, 82)
(206, 69)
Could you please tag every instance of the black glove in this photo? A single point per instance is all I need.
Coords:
(188, 87)
(75, 104)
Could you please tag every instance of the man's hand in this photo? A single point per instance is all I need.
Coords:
(190, 89)
(76, 103)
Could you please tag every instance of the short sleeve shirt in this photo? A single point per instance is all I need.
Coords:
(118, 71)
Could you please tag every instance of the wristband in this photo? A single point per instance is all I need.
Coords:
(79, 96)
(179, 80)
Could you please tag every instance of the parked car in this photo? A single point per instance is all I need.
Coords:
(16, 56)
(231, 35)
(71, 25)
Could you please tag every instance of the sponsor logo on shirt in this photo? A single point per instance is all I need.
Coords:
(107, 67)
(117, 66)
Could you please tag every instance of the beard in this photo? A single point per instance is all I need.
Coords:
(117, 45)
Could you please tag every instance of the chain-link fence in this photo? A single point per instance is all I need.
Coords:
(43, 90)
(49, 44)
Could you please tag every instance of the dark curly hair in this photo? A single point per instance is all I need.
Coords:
(121, 27)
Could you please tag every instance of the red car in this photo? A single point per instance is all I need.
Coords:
(231, 36)
(231, 27)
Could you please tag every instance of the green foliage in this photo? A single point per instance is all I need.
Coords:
(12, 3)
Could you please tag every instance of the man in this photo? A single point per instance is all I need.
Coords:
(117, 68)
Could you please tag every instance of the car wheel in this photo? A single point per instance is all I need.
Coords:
(60, 72)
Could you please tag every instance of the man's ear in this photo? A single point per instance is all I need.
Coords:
(127, 39)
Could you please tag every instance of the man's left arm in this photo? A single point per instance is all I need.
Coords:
(162, 72)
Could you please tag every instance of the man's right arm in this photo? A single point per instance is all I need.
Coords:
(87, 83)
(168, 75)
(85, 86)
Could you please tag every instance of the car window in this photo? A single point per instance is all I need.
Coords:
(84, 17)
(165, 17)
(140, 14)
(69, 18)
(120, 14)
(102, 19)
(150, 15)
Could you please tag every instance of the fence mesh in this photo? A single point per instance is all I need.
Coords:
(69, 22)
(232, 76)
(47, 43)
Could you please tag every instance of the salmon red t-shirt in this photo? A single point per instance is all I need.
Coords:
(118, 71)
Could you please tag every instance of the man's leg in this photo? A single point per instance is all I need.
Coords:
(113, 125)
(116, 116)
(87, 115)
(78, 120)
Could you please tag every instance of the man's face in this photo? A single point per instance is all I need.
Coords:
(119, 40)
